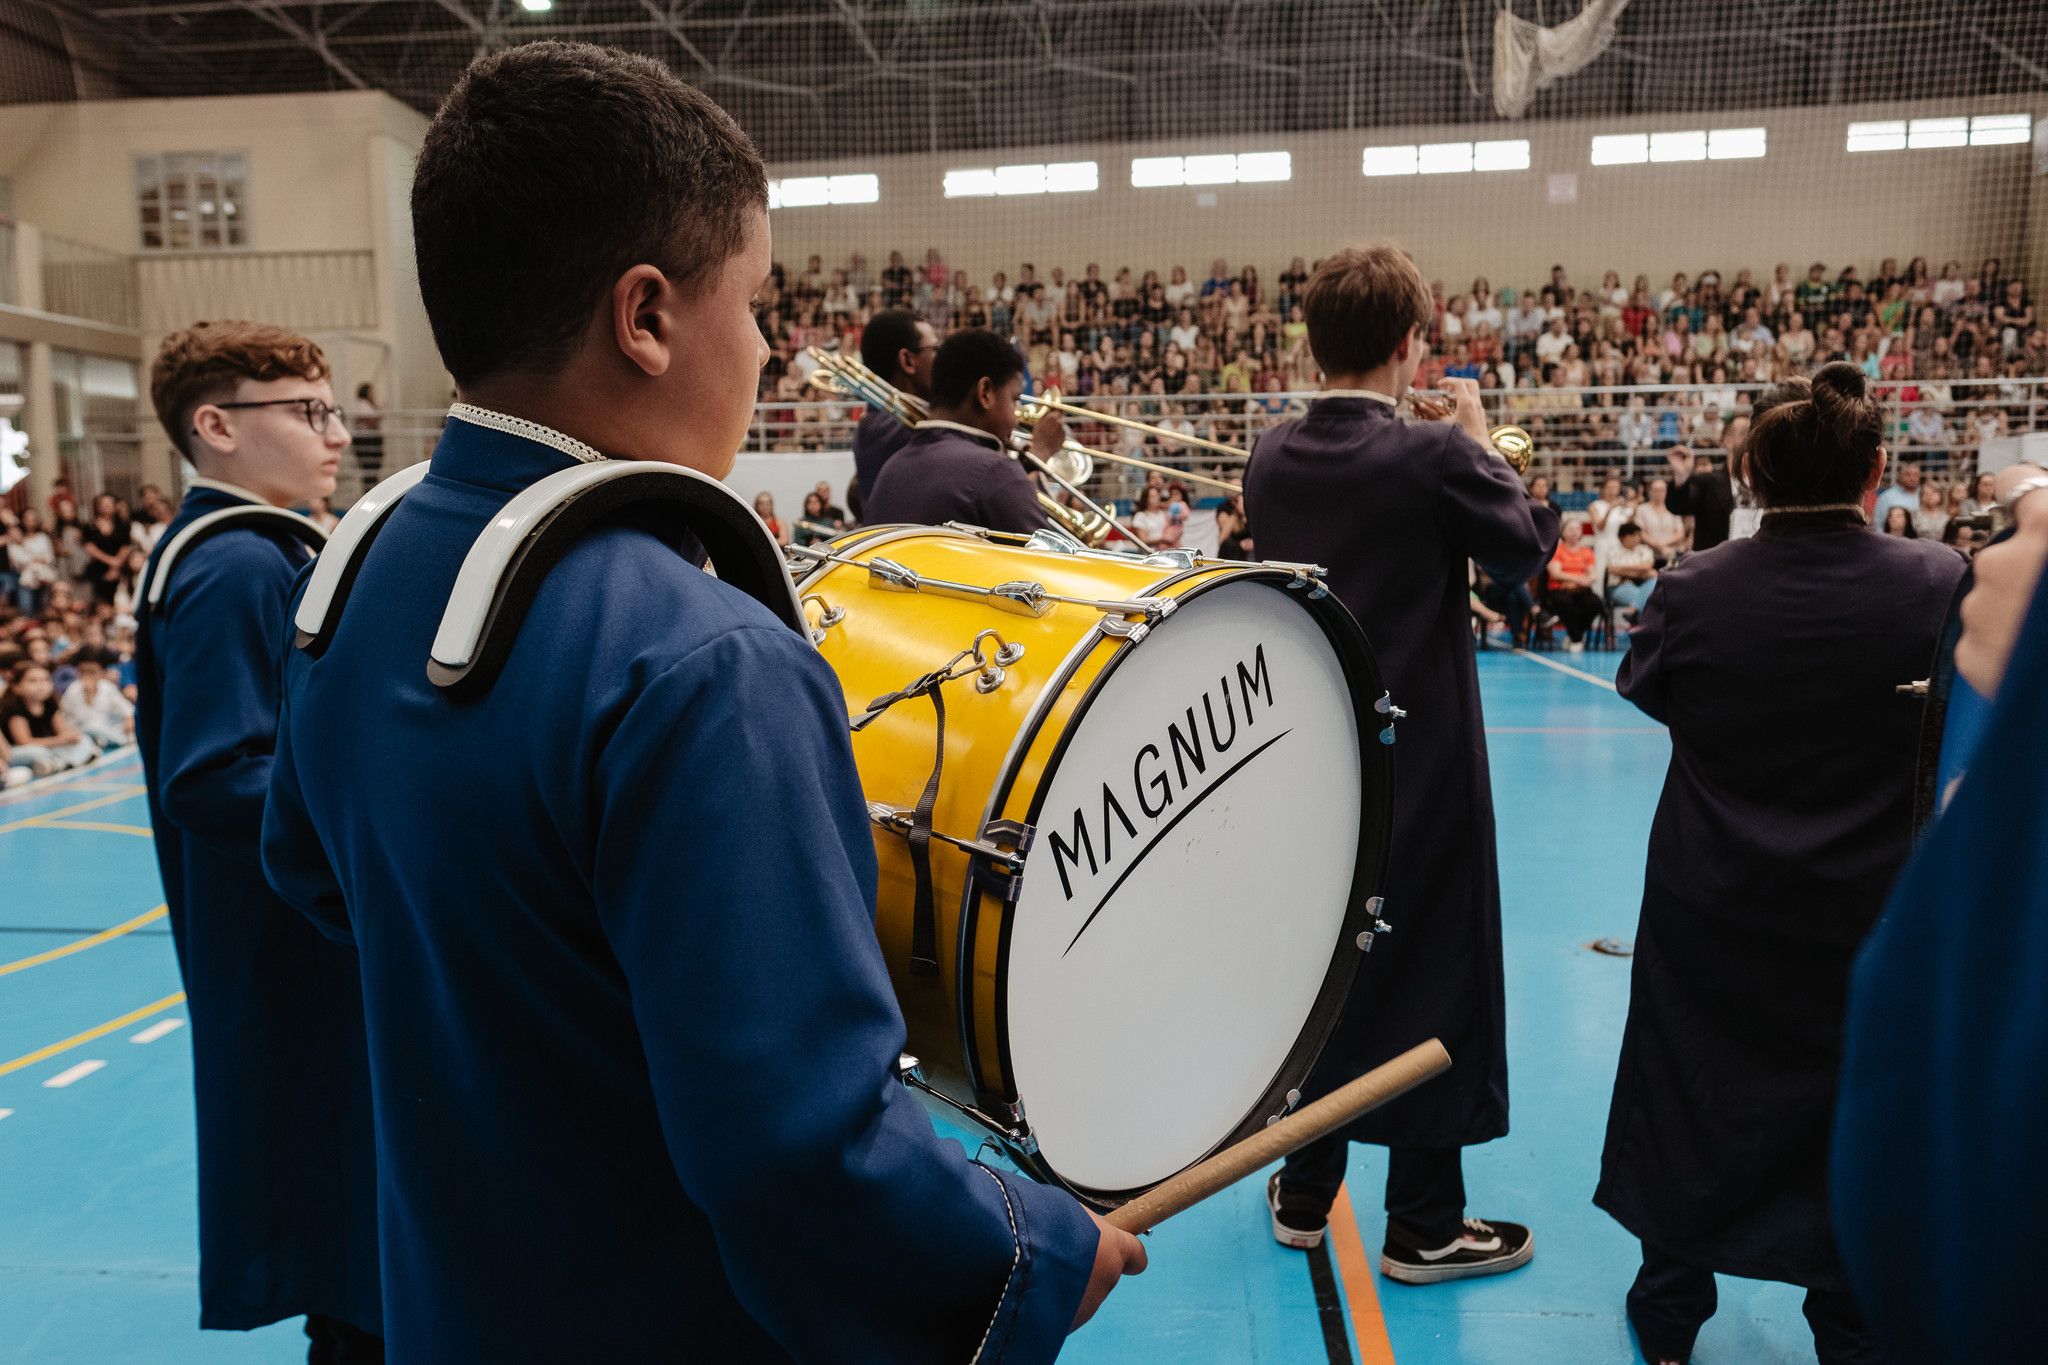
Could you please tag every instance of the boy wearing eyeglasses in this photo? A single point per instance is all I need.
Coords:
(287, 1164)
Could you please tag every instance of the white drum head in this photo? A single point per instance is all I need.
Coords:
(1156, 991)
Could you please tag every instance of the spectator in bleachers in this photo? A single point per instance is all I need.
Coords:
(1631, 571)
(1931, 516)
(94, 704)
(1904, 493)
(33, 556)
(1663, 529)
(1898, 521)
(42, 738)
(1574, 595)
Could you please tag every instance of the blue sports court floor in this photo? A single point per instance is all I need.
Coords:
(97, 1238)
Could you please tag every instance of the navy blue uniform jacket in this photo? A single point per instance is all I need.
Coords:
(880, 434)
(630, 1029)
(1787, 810)
(280, 1070)
(945, 474)
(1393, 509)
(1944, 1097)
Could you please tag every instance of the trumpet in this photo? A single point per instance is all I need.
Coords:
(1512, 443)
(845, 376)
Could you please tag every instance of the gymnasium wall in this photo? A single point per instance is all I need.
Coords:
(1808, 199)
(328, 215)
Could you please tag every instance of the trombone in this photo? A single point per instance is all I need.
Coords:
(845, 376)
(1512, 443)
(848, 376)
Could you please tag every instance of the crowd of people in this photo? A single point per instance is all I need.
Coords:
(1954, 357)
(67, 627)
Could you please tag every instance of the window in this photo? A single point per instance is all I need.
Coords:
(1988, 130)
(193, 201)
(1060, 177)
(1447, 158)
(1938, 132)
(1983, 130)
(811, 190)
(1621, 149)
(1734, 144)
(1678, 146)
(1241, 168)
(1718, 144)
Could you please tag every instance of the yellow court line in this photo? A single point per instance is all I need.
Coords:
(22, 964)
(125, 794)
(1355, 1271)
(43, 1054)
(104, 829)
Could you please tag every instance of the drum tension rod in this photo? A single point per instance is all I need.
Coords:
(1017, 1136)
(897, 819)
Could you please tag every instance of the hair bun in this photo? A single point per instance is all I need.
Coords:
(1843, 379)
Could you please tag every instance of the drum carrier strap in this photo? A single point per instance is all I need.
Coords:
(512, 557)
(243, 517)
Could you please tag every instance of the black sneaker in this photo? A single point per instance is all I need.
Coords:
(1482, 1249)
(1297, 1222)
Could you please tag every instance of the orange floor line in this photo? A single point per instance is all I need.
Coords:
(1355, 1270)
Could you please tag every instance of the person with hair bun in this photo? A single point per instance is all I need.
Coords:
(1786, 812)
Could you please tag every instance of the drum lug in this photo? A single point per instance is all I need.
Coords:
(1117, 627)
(1305, 576)
(1015, 832)
(1373, 908)
(1052, 540)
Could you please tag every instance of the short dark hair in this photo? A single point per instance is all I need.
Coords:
(888, 333)
(966, 359)
(1359, 305)
(1628, 528)
(552, 169)
(1817, 441)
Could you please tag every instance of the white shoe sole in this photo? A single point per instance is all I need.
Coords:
(1292, 1237)
(1437, 1274)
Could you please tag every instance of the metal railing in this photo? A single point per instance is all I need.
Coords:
(81, 280)
(1580, 434)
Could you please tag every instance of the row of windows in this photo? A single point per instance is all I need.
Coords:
(1897, 135)
(1429, 158)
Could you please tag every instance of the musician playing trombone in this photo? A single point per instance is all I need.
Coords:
(956, 465)
(1394, 509)
(899, 346)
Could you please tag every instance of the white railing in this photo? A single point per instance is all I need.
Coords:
(309, 291)
(1579, 433)
(81, 280)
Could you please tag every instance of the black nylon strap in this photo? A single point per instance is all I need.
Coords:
(924, 920)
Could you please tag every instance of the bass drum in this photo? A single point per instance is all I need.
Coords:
(1156, 842)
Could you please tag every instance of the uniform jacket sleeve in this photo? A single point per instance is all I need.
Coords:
(1486, 513)
(223, 616)
(848, 1228)
(295, 862)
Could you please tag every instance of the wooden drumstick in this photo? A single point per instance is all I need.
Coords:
(1296, 1131)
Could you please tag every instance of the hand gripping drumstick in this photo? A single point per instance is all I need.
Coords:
(1297, 1130)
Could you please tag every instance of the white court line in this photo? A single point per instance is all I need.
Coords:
(72, 1073)
(157, 1030)
(5, 1112)
(1562, 668)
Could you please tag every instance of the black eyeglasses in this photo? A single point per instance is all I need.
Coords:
(318, 412)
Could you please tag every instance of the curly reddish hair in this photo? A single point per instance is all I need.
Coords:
(203, 363)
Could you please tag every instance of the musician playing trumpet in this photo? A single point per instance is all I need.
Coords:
(1394, 509)
(956, 465)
